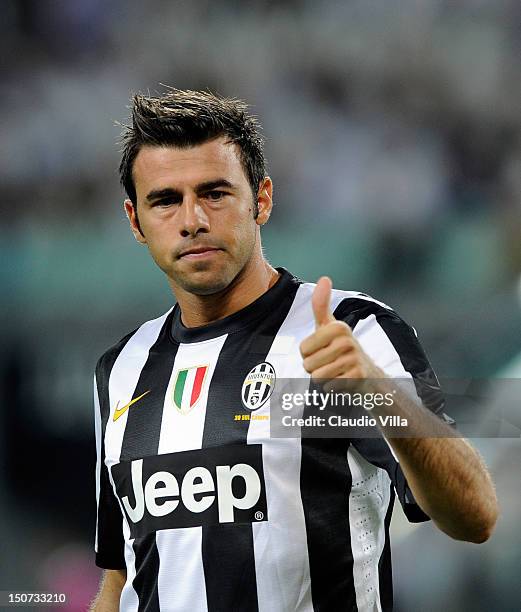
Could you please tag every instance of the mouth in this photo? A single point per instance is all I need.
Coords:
(198, 252)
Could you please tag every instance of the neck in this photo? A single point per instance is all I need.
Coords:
(251, 282)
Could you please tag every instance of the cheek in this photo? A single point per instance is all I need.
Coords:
(156, 238)
(242, 223)
(159, 253)
(161, 240)
(242, 233)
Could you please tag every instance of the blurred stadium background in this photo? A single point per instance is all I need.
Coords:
(394, 141)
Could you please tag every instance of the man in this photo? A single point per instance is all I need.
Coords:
(198, 507)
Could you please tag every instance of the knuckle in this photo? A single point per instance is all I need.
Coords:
(357, 372)
(337, 342)
(347, 362)
(339, 326)
(345, 342)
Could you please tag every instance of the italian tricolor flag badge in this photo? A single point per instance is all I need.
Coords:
(188, 386)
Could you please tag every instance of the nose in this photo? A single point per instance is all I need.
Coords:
(194, 219)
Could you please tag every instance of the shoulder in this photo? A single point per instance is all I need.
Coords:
(368, 316)
(135, 342)
(352, 306)
(360, 310)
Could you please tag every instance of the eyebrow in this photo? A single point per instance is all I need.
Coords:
(157, 194)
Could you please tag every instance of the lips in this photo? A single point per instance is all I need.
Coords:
(201, 250)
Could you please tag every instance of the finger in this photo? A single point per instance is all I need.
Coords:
(342, 385)
(329, 372)
(348, 382)
(321, 300)
(341, 345)
(343, 369)
(323, 336)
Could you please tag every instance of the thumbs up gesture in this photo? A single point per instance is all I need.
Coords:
(332, 352)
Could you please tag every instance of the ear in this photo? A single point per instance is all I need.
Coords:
(264, 201)
(131, 213)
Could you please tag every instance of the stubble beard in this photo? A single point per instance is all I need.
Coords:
(203, 282)
(207, 279)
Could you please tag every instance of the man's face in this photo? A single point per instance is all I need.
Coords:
(195, 209)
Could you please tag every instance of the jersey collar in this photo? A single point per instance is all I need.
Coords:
(267, 302)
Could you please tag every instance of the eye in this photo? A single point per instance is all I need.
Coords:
(165, 202)
(215, 195)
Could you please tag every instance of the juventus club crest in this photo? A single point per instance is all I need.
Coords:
(188, 386)
(258, 385)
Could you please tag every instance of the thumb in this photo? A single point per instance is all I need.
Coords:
(320, 301)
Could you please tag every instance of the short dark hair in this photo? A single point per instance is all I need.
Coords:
(184, 118)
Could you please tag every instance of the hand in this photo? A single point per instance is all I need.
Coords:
(332, 352)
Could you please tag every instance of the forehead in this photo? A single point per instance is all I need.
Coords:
(167, 166)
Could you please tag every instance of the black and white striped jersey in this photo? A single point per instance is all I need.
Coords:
(202, 507)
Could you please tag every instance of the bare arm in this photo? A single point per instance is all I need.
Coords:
(446, 475)
(107, 599)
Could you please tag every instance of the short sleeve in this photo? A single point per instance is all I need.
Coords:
(394, 347)
(378, 452)
(109, 543)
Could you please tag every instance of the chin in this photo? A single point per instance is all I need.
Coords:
(204, 282)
